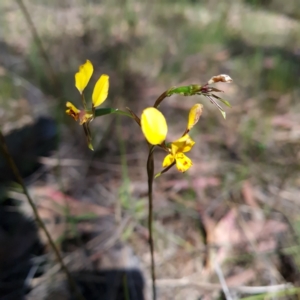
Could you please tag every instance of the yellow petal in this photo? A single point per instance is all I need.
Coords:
(154, 126)
(72, 111)
(100, 90)
(169, 159)
(194, 115)
(83, 76)
(184, 144)
(183, 163)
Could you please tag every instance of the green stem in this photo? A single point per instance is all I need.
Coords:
(39, 44)
(20, 180)
(150, 173)
(84, 102)
(160, 99)
(97, 112)
(134, 116)
(188, 90)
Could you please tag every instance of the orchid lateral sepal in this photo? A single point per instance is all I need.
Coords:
(165, 170)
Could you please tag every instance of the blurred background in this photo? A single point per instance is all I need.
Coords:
(229, 228)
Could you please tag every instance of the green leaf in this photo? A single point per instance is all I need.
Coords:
(90, 145)
(223, 113)
(222, 100)
(215, 103)
(104, 111)
(225, 102)
(108, 110)
(123, 113)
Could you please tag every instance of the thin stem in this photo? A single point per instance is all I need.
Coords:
(40, 222)
(88, 135)
(39, 43)
(189, 90)
(150, 173)
(222, 280)
(161, 98)
(84, 103)
(134, 116)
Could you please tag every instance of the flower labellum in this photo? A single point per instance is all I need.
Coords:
(83, 115)
(72, 111)
(178, 148)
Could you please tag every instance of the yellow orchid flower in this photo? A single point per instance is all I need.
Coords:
(178, 148)
(154, 127)
(82, 78)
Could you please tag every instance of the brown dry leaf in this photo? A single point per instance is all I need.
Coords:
(198, 183)
(204, 182)
(242, 278)
(284, 121)
(54, 206)
(52, 198)
(261, 229)
(214, 230)
(228, 235)
(267, 245)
